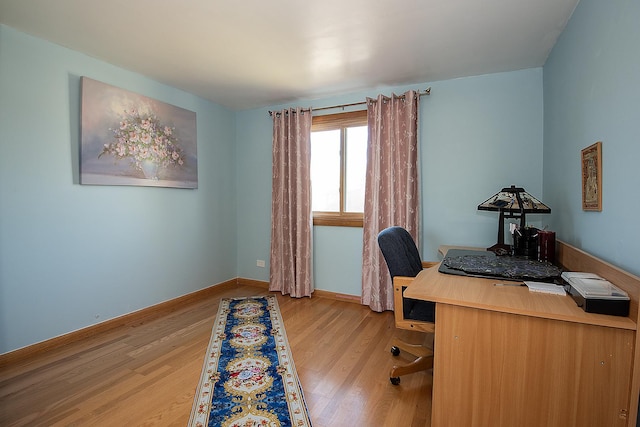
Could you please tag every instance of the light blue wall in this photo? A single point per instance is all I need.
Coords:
(478, 135)
(72, 255)
(592, 93)
(253, 181)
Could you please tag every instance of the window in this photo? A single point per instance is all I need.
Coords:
(338, 168)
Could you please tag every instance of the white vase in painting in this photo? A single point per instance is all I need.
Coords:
(150, 169)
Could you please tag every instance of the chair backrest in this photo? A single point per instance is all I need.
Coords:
(403, 259)
(400, 252)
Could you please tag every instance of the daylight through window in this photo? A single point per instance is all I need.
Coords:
(338, 168)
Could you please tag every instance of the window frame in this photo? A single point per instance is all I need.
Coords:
(340, 121)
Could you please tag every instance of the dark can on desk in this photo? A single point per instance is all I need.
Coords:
(525, 243)
(547, 242)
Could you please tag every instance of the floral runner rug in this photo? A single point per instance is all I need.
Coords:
(248, 378)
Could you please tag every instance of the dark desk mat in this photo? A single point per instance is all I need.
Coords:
(486, 264)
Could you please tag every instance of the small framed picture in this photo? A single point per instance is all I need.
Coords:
(592, 177)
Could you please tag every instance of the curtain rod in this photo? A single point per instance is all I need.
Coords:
(427, 91)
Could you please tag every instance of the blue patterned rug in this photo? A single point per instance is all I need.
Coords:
(248, 378)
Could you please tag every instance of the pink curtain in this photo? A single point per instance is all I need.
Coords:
(392, 187)
(291, 219)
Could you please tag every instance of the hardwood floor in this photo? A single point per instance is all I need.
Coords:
(146, 374)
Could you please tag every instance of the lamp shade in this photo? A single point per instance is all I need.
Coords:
(514, 199)
(512, 202)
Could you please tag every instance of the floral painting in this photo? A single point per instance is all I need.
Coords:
(129, 139)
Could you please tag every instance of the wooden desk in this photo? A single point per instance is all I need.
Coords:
(505, 356)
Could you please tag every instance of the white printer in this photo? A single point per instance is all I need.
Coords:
(596, 294)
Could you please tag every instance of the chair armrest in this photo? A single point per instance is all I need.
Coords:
(429, 264)
(400, 282)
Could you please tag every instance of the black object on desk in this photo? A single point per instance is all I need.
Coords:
(486, 264)
(596, 294)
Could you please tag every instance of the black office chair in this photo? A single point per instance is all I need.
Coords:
(404, 263)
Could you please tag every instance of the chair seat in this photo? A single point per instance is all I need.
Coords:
(424, 311)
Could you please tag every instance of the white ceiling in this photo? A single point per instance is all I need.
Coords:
(253, 53)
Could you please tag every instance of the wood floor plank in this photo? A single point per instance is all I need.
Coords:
(145, 374)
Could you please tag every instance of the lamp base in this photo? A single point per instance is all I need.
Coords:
(500, 249)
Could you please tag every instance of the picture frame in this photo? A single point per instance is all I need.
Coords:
(591, 159)
(130, 139)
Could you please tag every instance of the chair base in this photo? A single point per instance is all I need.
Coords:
(423, 361)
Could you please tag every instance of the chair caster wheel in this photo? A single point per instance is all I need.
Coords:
(395, 350)
(394, 380)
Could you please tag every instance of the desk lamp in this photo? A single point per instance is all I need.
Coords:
(511, 202)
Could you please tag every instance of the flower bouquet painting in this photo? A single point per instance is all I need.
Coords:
(129, 139)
